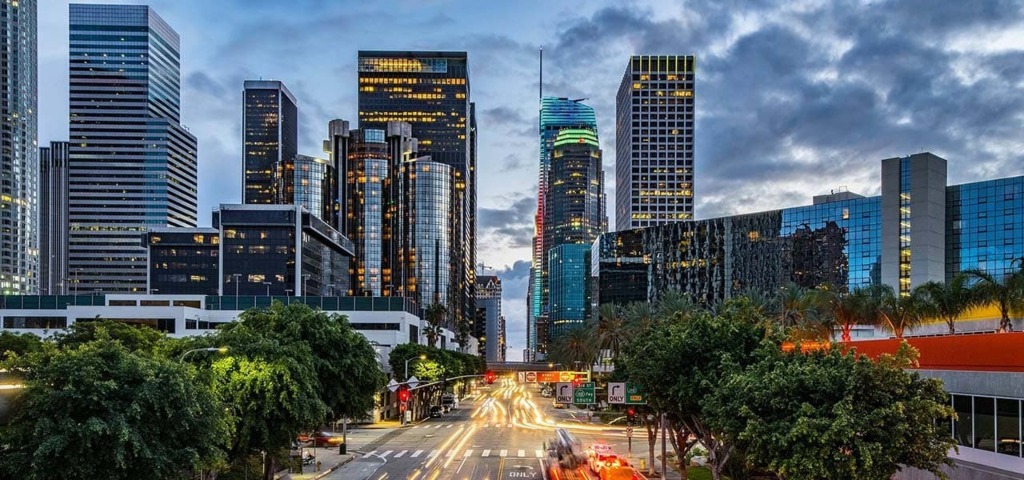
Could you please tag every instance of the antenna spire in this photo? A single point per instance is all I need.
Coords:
(540, 84)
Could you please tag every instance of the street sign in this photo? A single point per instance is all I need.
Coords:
(616, 392)
(412, 381)
(548, 377)
(629, 432)
(634, 396)
(563, 392)
(565, 376)
(584, 394)
(392, 385)
(521, 376)
(531, 377)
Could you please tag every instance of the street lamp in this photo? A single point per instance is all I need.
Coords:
(207, 349)
(330, 288)
(268, 287)
(421, 357)
(305, 278)
(236, 276)
(288, 292)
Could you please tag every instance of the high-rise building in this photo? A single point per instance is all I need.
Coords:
(132, 166)
(310, 182)
(53, 219)
(270, 137)
(555, 114)
(19, 257)
(654, 141)
(490, 325)
(574, 217)
(430, 91)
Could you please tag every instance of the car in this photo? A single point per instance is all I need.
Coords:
(618, 473)
(602, 448)
(321, 439)
(436, 411)
(449, 402)
(599, 461)
(557, 405)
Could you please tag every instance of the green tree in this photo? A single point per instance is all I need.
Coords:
(1006, 292)
(18, 344)
(610, 330)
(948, 300)
(797, 305)
(101, 411)
(576, 347)
(899, 312)
(846, 311)
(833, 415)
(434, 315)
(135, 338)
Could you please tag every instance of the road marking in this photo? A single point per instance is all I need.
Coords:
(503, 453)
(468, 453)
(540, 453)
(486, 453)
(451, 453)
(416, 453)
(403, 452)
(509, 425)
(369, 454)
(522, 453)
(438, 426)
(449, 426)
(385, 454)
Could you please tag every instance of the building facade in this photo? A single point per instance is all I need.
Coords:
(132, 166)
(654, 141)
(270, 138)
(19, 257)
(310, 182)
(184, 261)
(53, 219)
(569, 274)
(430, 91)
(489, 327)
(555, 114)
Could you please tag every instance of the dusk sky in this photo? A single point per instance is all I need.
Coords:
(793, 98)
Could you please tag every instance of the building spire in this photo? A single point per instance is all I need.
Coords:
(540, 84)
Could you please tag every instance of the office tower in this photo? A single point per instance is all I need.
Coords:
(132, 166)
(19, 257)
(430, 91)
(269, 138)
(490, 325)
(187, 261)
(310, 182)
(574, 217)
(555, 114)
(431, 233)
(53, 219)
(654, 141)
(914, 221)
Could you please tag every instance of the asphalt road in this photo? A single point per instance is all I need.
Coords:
(498, 434)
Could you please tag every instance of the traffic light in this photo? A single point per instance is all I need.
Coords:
(489, 377)
(576, 382)
(403, 394)
(630, 416)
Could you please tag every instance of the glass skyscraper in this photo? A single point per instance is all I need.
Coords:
(53, 219)
(430, 185)
(555, 114)
(269, 138)
(654, 141)
(310, 182)
(19, 257)
(430, 91)
(132, 166)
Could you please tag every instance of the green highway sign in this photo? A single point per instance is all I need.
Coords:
(634, 396)
(584, 394)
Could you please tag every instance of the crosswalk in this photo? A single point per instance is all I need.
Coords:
(503, 453)
(439, 426)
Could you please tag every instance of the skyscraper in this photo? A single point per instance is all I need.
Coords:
(654, 141)
(490, 325)
(132, 166)
(310, 182)
(269, 138)
(555, 114)
(53, 219)
(19, 266)
(430, 91)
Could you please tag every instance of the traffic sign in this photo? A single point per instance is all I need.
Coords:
(521, 376)
(563, 392)
(584, 394)
(392, 385)
(634, 396)
(548, 377)
(412, 381)
(616, 392)
(531, 377)
(629, 432)
(565, 376)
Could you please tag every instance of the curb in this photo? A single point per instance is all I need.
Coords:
(339, 465)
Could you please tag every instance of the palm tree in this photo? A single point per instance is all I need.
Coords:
(610, 329)
(846, 310)
(576, 346)
(434, 315)
(796, 304)
(899, 312)
(948, 300)
(1007, 293)
(673, 305)
(638, 316)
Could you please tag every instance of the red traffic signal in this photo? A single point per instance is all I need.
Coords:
(489, 377)
(403, 394)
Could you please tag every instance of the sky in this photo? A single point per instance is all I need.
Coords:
(793, 98)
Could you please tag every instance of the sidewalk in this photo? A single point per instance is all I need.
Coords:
(329, 458)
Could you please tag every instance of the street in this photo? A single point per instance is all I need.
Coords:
(499, 433)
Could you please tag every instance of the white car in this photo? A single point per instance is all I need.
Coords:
(604, 460)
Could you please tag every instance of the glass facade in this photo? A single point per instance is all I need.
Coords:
(310, 182)
(269, 139)
(619, 268)
(568, 271)
(19, 243)
(654, 141)
(367, 173)
(131, 166)
(430, 187)
(53, 219)
(905, 251)
(988, 423)
(183, 261)
(489, 326)
(985, 226)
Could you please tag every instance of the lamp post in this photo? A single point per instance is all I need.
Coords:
(330, 288)
(421, 357)
(268, 287)
(305, 278)
(236, 276)
(288, 292)
(207, 349)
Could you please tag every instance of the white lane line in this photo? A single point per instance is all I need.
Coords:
(486, 453)
(389, 452)
(369, 454)
(438, 426)
(522, 453)
(539, 453)
(449, 426)
(451, 453)
(503, 453)
(468, 453)
(403, 452)
(416, 453)
(432, 454)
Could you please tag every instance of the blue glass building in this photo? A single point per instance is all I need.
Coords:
(568, 267)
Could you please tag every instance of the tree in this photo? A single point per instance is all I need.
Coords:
(577, 346)
(1006, 292)
(847, 310)
(135, 338)
(101, 411)
(434, 315)
(796, 304)
(899, 312)
(948, 300)
(18, 344)
(610, 330)
(834, 415)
